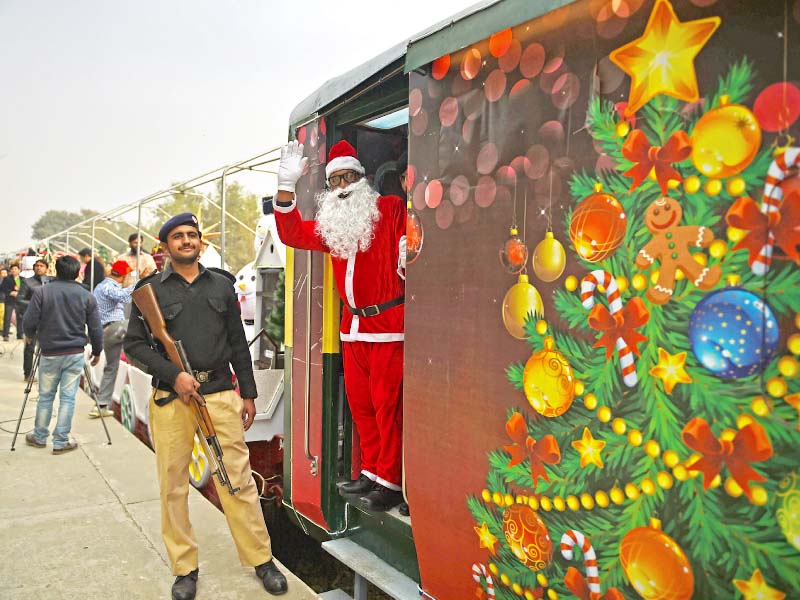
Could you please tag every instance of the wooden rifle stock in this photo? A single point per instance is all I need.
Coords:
(147, 303)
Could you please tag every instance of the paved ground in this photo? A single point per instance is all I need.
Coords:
(85, 525)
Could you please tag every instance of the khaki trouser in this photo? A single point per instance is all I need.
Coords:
(173, 428)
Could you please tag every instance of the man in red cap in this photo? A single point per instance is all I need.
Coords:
(111, 301)
(365, 236)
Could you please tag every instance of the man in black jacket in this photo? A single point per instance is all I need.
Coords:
(59, 314)
(10, 287)
(201, 310)
(94, 272)
(29, 285)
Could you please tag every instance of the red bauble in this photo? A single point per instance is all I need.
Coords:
(514, 253)
(527, 536)
(777, 107)
(597, 226)
(414, 235)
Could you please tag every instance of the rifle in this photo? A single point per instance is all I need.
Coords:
(146, 302)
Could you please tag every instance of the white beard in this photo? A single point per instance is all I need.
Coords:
(346, 225)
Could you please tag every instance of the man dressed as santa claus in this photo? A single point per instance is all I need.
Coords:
(365, 236)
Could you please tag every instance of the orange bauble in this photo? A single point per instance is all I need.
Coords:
(597, 227)
(725, 140)
(414, 235)
(527, 536)
(548, 381)
(655, 564)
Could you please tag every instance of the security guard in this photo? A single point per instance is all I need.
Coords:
(200, 309)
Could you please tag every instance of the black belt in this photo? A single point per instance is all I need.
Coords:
(201, 376)
(376, 309)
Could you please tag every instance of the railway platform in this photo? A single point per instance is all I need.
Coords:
(86, 524)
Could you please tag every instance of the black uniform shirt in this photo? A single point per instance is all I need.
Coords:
(204, 315)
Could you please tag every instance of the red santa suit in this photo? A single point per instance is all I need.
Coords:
(372, 346)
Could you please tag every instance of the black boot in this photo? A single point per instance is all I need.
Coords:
(185, 586)
(273, 580)
(403, 509)
(360, 486)
(381, 499)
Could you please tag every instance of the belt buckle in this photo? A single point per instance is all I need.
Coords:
(202, 376)
(372, 311)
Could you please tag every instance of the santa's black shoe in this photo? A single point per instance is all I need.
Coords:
(381, 499)
(359, 487)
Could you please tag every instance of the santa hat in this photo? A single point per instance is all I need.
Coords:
(121, 268)
(342, 156)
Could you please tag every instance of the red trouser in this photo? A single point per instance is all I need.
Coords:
(373, 379)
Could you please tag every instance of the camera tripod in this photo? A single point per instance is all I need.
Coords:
(91, 389)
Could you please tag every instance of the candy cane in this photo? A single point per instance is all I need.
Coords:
(569, 540)
(606, 279)
(771, 201)
(479, 572)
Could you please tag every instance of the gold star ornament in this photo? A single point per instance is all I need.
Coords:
(670, 369)
(589, 449)
(662, 60)
(757, 589)
(487, 540)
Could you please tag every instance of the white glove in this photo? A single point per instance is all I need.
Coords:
(291, 167)
(402, 248)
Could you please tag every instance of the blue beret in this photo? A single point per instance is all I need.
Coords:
(176, 221)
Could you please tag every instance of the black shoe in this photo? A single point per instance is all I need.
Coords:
(403, 509)
(360, 486)
(274, 581)
(185, 586)
(381, 499)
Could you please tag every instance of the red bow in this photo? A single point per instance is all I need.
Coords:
(645, 157)
(750, 444)
(621, 324)
(580, 588)
(784, 224)
(544, 451)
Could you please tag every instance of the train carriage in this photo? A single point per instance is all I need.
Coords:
(601, 295)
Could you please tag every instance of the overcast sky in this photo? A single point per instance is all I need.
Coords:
(105, 101)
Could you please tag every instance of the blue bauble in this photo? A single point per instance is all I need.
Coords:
(733, 333)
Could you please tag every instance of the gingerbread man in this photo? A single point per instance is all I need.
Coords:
(672, 245)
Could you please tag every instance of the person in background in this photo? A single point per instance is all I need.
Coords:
(59, 314)
(146, 263)
(202, 312)
(30, 285)
(111, 301)
(93, 265)
(3, 275)
(10, 287)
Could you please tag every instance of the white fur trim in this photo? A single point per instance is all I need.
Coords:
(369, 475)
(340, 163)
(371, 337)
(285, 209)
(392, 486)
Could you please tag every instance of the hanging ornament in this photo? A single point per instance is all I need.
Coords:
(414, 234)
(661, 61)
(673, 246)
(655, 564)
(527, 536)
(777, 107)
(548, 381)
(725, 140)
(775, 221)
(597, 227)
(549, 258)
(521, 301)
(618, 324)
(733, 333)
(788, 511)
(514, 253)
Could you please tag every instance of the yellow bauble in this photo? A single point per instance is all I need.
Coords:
(622, 129)
(793, 343)
(788, 366)
(735, 234)
(736, 186)
(639, 282)
(571, 283)
(787, 498)
(725, 140)
(718, 249)
(549, 258)
(527, 536)
(656, 565)
(691, 184)
(776, 387)
(521, 300)
(548, 381)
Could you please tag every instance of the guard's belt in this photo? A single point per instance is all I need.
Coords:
(201, 376)
(376, 309)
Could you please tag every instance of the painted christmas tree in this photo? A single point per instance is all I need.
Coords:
(658, 430)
